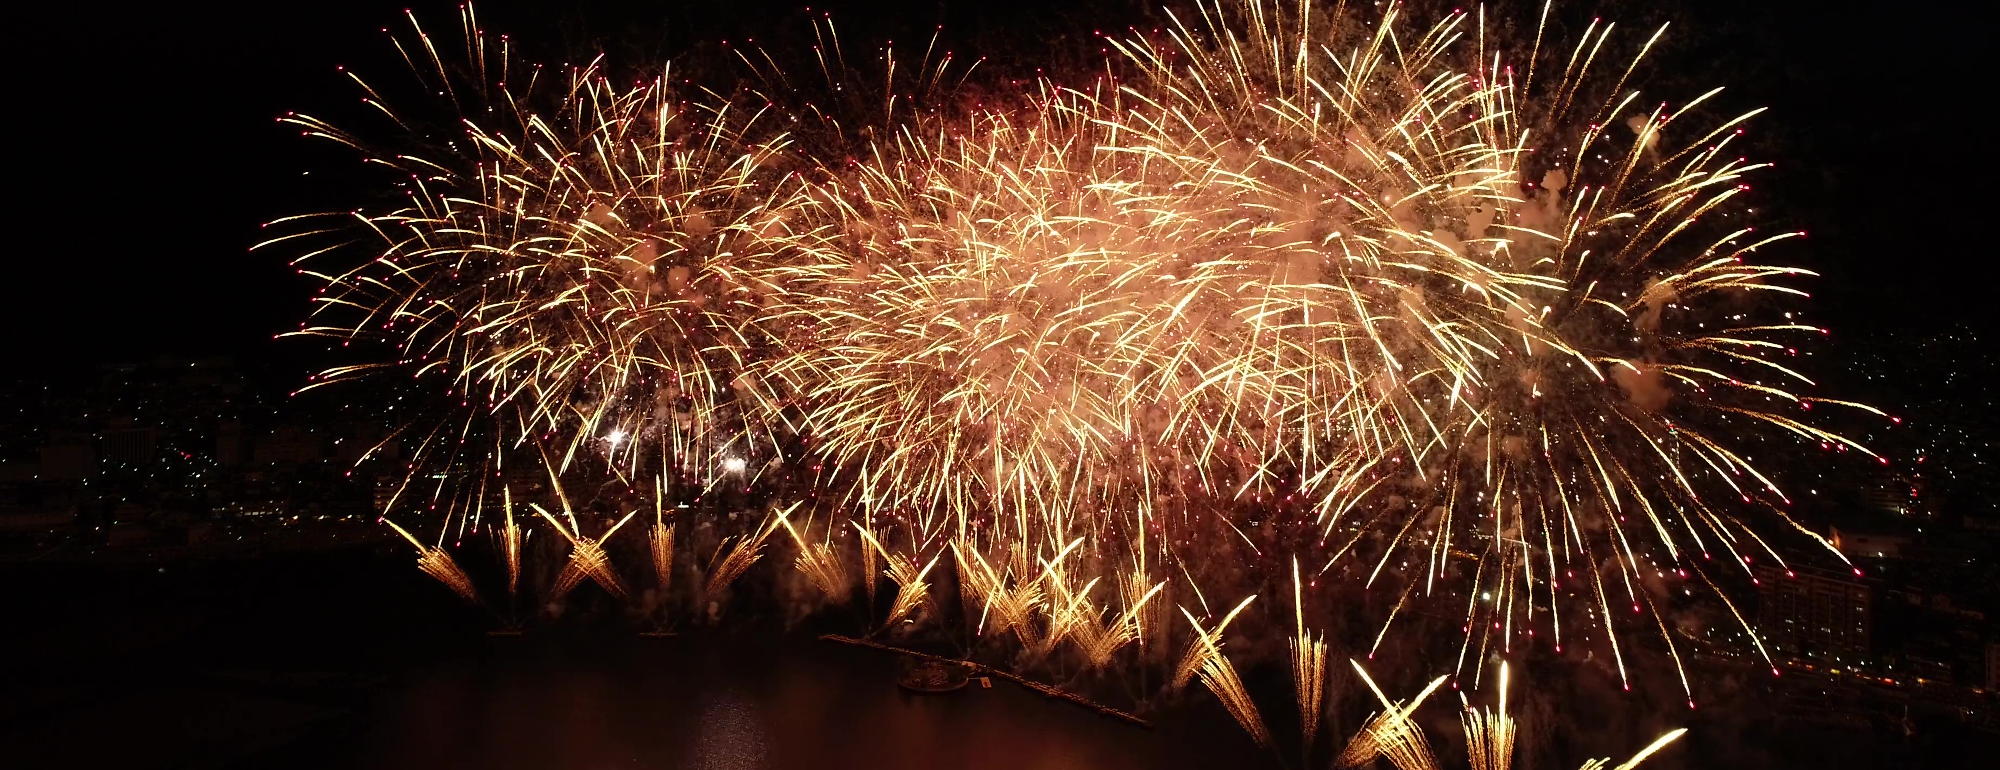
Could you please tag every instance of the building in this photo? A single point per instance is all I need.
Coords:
(1816, 616)
(386, 489)
(129, 444)
(288, 445)
(229, 441)
(1993, 667)
(1863, 544)
(67, 457)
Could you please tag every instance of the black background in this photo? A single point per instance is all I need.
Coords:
(148, 155)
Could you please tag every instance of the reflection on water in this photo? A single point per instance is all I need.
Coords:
(355, 660)
(732, 735)
(737, 705)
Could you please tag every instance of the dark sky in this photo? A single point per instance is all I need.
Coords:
(152, 155)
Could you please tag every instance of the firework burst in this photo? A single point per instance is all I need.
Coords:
(1418, 304)
(1529, 314)
(568, 260)
(1471, 310)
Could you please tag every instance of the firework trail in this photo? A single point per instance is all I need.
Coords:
(1002, 608)
(1655, 746)
(510, 543)
(1220, 677)
(660, 541)
(587, 559)
(435, 562)
(1391, 733)
(818, 562)
(1308, 665)
(1101, 643)
(911, 588)
(743, 551)
(1206, 644)
(1489, 735)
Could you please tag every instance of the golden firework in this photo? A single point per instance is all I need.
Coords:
(1404, 302)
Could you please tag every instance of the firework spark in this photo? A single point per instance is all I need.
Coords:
(1489, 735)
(587, 559)
(1392, 733)
(661, 543)
(510, 544)
(818, 562)
(1220, 677)
(742, 552)
(1308, 665)
(435, 562)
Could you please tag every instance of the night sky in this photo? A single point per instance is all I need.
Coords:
(152, 155)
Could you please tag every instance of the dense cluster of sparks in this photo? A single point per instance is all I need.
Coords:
(1424, 307)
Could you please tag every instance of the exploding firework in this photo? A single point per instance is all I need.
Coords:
(1420, 305)
(1536, 309)
(567, 260)
(1428, 299)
